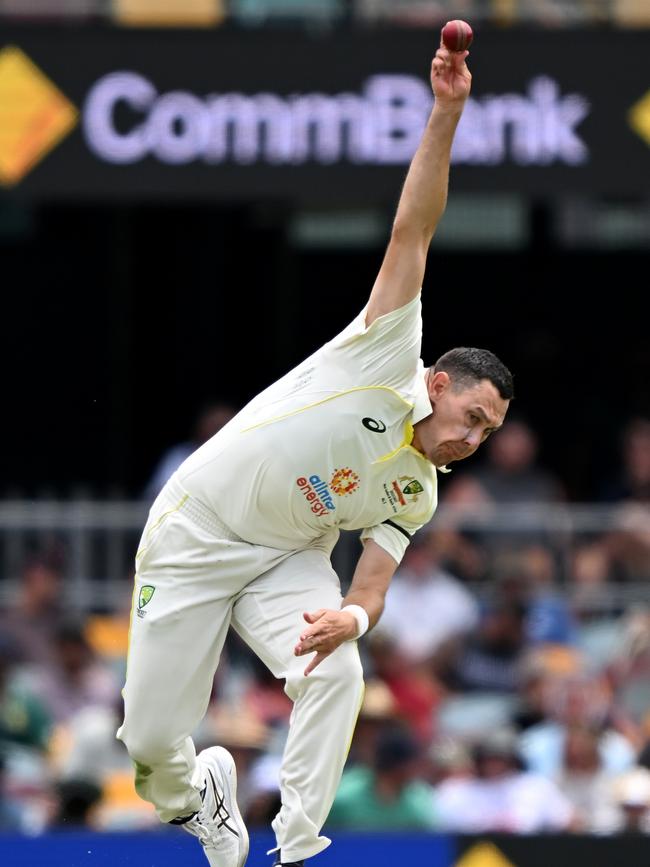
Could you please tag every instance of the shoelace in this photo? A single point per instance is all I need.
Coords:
(195, 826)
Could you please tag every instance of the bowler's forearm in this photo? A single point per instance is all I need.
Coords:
(371, 601)
(371, 580)
(424, 194)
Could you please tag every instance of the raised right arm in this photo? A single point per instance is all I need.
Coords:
(424, 194)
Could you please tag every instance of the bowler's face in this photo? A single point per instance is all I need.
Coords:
(461, 420)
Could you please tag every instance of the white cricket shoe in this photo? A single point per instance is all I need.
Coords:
(218, 824)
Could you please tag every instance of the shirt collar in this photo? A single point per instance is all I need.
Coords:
(421, 403)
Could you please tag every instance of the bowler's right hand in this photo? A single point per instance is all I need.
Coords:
(451, 80)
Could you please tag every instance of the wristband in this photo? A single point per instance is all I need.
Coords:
(361, 616)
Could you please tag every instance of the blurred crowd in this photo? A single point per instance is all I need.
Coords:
(325, 13)
(506, 691)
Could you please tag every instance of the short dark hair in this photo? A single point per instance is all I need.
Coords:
(467, 365)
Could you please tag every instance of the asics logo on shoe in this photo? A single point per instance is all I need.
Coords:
(221, 813)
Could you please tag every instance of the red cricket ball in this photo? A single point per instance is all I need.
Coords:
(457, 35)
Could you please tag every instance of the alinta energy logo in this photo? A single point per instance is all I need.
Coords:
(34, 115)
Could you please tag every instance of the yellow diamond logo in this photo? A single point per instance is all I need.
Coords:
(639, 117)
(34, 115)
(484, 855)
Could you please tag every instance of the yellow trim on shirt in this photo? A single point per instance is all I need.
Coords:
(409, 433)
(326, 400)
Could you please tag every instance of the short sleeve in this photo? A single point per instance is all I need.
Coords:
(393, 536)
(385, 353)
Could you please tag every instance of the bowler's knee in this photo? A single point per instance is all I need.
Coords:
(344, 665)
(340, 672)
(144, 747)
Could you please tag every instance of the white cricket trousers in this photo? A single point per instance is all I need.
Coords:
(206, 578)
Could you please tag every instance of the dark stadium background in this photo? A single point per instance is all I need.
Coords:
(120, 321)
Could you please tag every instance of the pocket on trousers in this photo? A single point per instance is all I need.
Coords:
(154, 531)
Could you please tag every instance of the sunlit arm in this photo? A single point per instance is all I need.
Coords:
(424, 195)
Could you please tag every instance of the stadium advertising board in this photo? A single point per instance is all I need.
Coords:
(74, 849)
(229, 115)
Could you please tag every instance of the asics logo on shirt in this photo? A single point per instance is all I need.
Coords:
(373, 424)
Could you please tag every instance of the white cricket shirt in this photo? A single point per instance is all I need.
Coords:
(328, 446)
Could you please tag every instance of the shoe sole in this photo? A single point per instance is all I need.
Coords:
(227, 773)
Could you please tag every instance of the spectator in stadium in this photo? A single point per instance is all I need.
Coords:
(508, 480)
(585, 782)
(589, 577)
(74, 678)
(25, 728)
(31, 620)
(628, 543)
(549, 619)
(24, 719)
(10, 814)
(632, 795)
(264, 697)
(541, 667)
(490, 660)
(85, 756)
(379, 712)
(448, 758)
(414, 689)
(210, 419)
(632, 482)
(502, 797)
(629, 670)
(76, 802)
(425, 605)
(509, 474)
(387, 796)
(582, 699)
